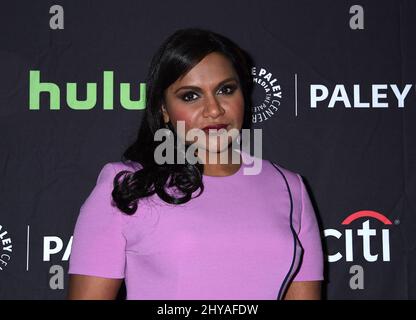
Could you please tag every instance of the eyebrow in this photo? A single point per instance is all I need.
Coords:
(197, 88)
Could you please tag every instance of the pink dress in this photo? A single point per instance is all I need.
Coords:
(244, 237)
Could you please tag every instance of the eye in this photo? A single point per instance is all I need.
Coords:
(229, 89)
(188, 96)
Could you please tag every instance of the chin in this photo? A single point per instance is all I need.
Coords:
(220, 145)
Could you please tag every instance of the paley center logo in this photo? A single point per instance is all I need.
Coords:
(344, 96)
(267, 94)
(6, 248)
(368, 232)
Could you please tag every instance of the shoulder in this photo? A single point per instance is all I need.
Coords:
(271, 171)
(275, 175)
(110, 169)
(292, 183)
(101, 194)
(127, 165)
(289, 177)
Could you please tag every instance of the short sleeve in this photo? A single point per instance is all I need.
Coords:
(311, 267)
(98, 244)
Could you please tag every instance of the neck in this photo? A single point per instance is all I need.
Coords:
(214, 167)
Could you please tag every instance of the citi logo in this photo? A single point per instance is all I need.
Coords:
(367, 234)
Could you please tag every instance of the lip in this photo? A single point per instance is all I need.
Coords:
(215, 126)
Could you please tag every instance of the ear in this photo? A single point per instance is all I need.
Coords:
(165, 114)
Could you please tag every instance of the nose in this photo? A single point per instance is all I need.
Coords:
(212, 107)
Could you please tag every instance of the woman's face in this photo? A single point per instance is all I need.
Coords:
(209, 94)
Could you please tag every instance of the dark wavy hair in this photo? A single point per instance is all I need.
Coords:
(179, 53)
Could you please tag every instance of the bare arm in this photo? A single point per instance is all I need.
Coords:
(304, 290)
(82, 287)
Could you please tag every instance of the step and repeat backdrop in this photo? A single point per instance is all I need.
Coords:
(334, 95)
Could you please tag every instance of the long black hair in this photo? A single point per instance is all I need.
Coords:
(179, 53)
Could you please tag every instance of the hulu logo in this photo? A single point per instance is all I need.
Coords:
(36, 87)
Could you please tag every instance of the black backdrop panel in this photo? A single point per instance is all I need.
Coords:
(355, 154)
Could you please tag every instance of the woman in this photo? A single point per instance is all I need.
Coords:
(204, 230)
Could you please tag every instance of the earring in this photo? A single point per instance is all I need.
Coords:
(168, 129)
